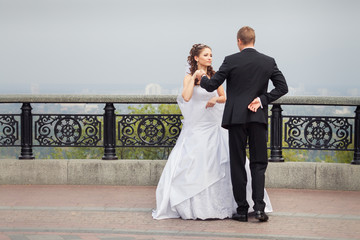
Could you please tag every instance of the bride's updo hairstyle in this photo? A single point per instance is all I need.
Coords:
(195, 51)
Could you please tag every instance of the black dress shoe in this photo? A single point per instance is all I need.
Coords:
(261, 216)
(240, 217)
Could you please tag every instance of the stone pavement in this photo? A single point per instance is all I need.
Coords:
(70, 212)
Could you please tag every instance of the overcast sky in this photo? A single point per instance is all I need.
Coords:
(121, 46)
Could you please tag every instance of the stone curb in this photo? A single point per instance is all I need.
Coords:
(296, 175)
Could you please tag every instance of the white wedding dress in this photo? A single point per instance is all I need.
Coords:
(196, 182)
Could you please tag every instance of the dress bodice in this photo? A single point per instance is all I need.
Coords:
(195, 110)
(200, 94)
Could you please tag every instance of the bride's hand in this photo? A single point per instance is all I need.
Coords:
(197, 75)
(211, 102)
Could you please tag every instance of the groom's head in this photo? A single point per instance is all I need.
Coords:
(246, 37)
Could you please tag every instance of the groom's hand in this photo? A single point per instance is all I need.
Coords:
(254, 105)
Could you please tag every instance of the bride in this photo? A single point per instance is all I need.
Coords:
(196, 182)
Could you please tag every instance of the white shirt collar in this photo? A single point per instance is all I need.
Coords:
(248, 47)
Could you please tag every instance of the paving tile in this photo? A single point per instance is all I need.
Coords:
(34, 212)
(70, 237)
(44, 237)
(18, 237)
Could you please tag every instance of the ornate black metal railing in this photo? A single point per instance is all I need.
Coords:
(67, 130)
(9, 129)
(149, 130)
(162, 130)
(331, 133)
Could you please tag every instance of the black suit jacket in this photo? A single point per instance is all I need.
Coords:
(247, 73)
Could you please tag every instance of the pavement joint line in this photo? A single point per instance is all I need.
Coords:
(85, 209)
(115, 209)
(164, 233)
(314, 215)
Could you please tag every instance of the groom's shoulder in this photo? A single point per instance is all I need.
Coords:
(232, 56)
(245, 54)
(265, 56)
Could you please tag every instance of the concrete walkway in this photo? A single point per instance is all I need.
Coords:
(68, 212)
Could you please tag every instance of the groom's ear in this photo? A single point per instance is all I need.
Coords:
(239, 43)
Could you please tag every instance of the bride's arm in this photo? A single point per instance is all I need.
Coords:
(219, 99)
(221, 93)
(188, 87)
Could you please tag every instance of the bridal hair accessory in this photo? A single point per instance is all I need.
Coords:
(199, 45)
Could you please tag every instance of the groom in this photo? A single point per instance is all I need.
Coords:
(245, 116)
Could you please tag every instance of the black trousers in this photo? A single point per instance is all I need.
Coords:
(256, 134)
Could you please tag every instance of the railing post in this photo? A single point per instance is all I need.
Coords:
(276, 134)
(109, 132)
(26, 132)
(356, 159)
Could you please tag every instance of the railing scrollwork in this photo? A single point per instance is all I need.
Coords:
(318, 133)
(162, 130)
(9, 127)
(67, 130)
(148, 130)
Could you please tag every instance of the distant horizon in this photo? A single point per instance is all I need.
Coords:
(138, 88)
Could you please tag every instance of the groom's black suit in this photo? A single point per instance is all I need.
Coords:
(247, 73)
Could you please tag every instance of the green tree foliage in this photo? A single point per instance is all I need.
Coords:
(344, 156)
(77, 153)
(291, 155)
(9, 152)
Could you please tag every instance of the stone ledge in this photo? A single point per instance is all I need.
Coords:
(299, 175)
(90, 98)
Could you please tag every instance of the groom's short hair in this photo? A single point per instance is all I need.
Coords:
(246, 35)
